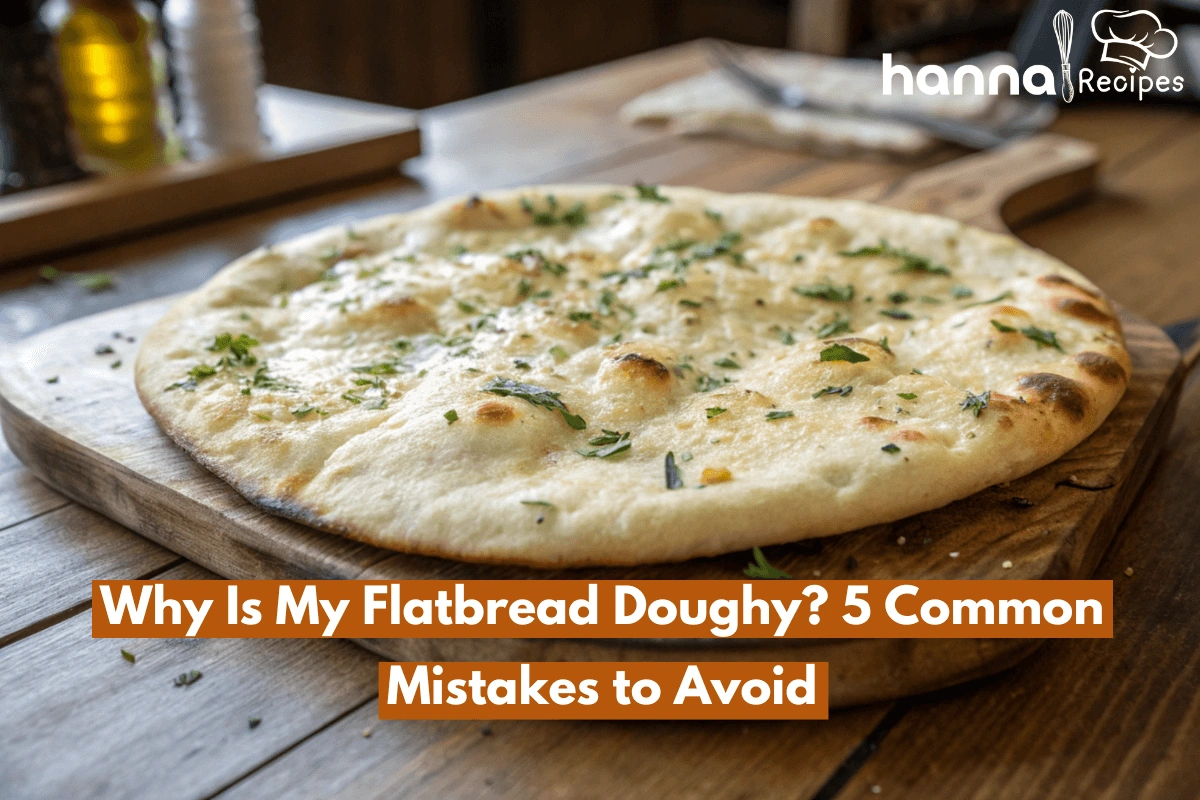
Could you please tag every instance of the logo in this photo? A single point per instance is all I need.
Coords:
(1128, 38)
(1132, 37)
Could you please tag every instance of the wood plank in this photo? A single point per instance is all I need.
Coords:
(47, 565)
(22, 496)
(1113, 717)
(561, 759)
(79, 721)
(1138, 238)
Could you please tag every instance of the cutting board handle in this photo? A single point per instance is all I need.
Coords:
(999, 188)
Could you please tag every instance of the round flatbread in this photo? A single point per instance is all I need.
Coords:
(574, 375)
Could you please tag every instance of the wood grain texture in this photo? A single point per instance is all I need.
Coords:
(43, 562)
(1111, 718)
(122, 465)
(124, 730)
(354, 140)
(561, 759)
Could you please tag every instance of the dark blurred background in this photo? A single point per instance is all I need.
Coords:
(419, 53)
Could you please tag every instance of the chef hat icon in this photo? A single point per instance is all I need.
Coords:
(1132, 37)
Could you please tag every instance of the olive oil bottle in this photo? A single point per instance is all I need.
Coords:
(104, 50)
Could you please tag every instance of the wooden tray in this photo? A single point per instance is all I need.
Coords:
(314, 139)
(87, 435)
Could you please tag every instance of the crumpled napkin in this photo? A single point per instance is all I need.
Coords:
(715, 103)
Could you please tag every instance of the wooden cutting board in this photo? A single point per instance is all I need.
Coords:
(75, 420)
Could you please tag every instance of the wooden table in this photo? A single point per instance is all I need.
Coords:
(1112, 718)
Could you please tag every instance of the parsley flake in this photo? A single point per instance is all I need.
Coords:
(840, 352)
(976, 403)
(773, 415)
(538, 396)
(911, 262)
(727, 363)
(188, 678)
(1042, 337)
(890, 448)
(650, 193)
(839, 325)
(996, 299)
(762, 569)
(827, 291)
(609, 443)
(896, 313)
(906, 395)
(841, 391)
(128, 656)
(715, 411)
(451, 416)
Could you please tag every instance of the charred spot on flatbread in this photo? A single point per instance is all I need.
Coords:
(1057, 391)
(1098, 365)
(1083, 310)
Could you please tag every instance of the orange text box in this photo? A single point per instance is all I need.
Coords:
(536, 609)
(604, 690)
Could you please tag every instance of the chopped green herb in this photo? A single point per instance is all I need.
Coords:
(840, 352)
(884, 344)
(911, 261)
(609, 443)
(933, 301)
(727, 363)
(304, 409)
(722, 246)
(575, 216)
(672, 473)
(539, 260)
(996, 299)
(898, 297)
(116, 364)
(772, 415)
(53, 379)
(786, 337)
(521, 364)
(195, 375)
(685, 457)
(188, 678)
(538, 396)
(691, 303)
(895, 313)
(352, 398)
(827, 291)
(49, 274)
(382, 368)
(976, 403)
(650, 193)
(706, 383)
(583, 316)
(451, 416)
(670, 283)
(238, 348)
(798, 257)
(264, 417)
(559, 353)
(542, 503)
(890, 448)
(713, 215)
(841, 391)
(128, 656)
(254, 722)
(1000, 326)
(459, 250)
(839, 325)
(906, 395)
(959, 292)
(762, 569)
(465, 307)
(715, 411)
(95, 282)
(1042, 337)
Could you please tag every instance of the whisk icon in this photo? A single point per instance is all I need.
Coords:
(1064, 30)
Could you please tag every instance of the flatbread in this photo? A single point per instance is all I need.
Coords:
(575, 375)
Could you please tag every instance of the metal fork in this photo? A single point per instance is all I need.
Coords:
(981, 137)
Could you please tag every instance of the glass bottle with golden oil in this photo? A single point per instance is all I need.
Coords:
(104, 50)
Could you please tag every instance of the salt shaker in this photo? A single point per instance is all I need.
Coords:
(218, 69)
